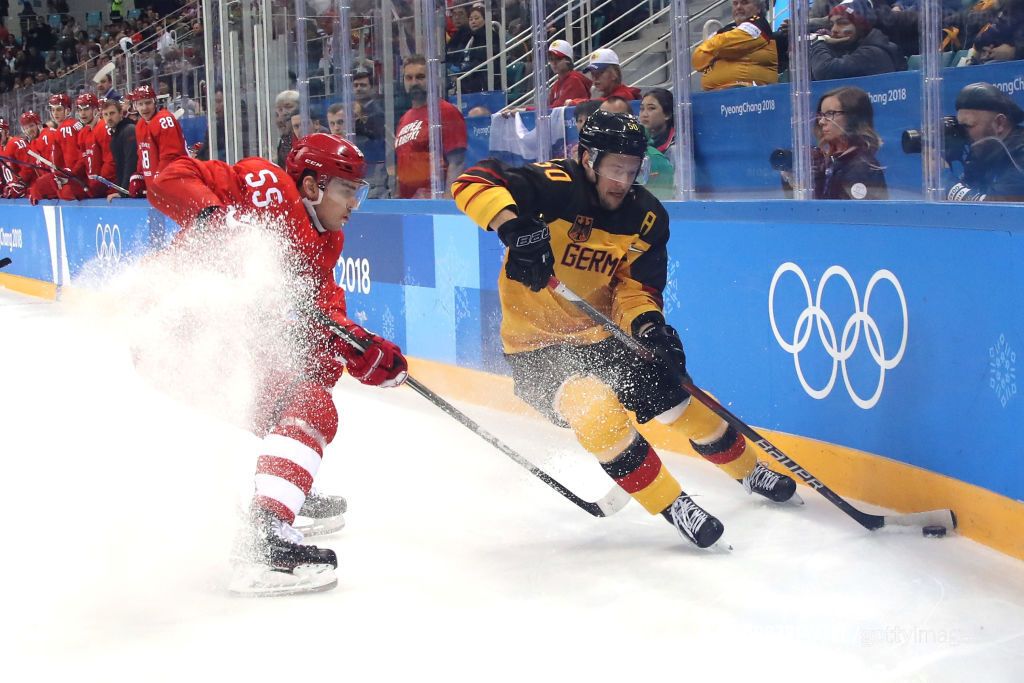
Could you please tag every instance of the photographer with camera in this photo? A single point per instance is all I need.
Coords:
(994, 161)
(843, 165)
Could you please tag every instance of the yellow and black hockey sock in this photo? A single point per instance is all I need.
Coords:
(641, 474)
(602, 426)
(715, 441)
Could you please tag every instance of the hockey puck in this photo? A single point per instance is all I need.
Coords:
(934, 531)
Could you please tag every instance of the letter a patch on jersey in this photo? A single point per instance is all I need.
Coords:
(581, 227)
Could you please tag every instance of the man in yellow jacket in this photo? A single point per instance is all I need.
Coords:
(740, 54)
(590, 222)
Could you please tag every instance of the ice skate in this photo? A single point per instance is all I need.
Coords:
(321, 514)
(270, 559)
(772, 485)
(694, 523)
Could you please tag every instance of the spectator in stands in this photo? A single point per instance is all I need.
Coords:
(1000, 41)
(844, 165)
(315, 125)
(607, 75)
(657, 114)
(582, 111)
(218, 120)
(475, 53)
(369, 128)
(286, 104)
(853, 47)
(412, 146)
(105, 89)
(123, 145)
(460, 35)
(370, 119)
(517, 14)
(478, 111)
(336, 120)
(741, 53)
(570, 86)
(660, 182)
(994, 164)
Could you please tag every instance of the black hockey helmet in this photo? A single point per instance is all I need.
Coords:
(604, 131)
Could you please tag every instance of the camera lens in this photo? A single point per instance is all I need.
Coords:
(781, 160)
(911, 142)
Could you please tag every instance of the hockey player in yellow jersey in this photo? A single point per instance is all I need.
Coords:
(592, 224)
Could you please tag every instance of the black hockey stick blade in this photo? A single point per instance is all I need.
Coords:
(607, 505)
(4, 262)
(946, 518)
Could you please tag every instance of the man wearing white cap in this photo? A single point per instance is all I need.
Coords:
(604, 65)
(570, 86)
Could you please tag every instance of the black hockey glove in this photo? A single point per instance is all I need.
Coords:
(530, 259)
(662, 339)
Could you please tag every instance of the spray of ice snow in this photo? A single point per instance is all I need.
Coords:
(152, 477)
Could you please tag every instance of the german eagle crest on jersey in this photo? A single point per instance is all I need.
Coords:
(581, 227)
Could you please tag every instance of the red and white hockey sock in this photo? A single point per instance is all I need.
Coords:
(292, 452)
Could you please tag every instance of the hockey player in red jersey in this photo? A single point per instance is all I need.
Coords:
(41, 140)
(94, 141)
(18, 177)
(69, 159)
(10, 172)
(308, 203)
(159, 138)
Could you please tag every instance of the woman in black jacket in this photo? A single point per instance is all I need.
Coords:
(844, 163)
(475, 52)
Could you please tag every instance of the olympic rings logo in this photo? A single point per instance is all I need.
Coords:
(839, 350)
(108, 243)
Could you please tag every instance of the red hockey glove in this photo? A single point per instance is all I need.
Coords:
(381, 362)
(137, 187)
(37, 190)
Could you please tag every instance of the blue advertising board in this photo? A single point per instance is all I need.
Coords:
(889, 327)
(105, 235)
(26, 237)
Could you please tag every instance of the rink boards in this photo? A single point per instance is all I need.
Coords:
(850, 330)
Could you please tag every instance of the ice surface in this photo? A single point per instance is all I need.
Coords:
(456, 564)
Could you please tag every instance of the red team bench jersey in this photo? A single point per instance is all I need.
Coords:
(160, 142)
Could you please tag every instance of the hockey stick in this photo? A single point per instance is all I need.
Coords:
(12, 160)
(53, 167)
(112, 186)
(944, 518)
(607, 505)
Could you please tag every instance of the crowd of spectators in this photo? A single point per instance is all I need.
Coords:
(855, 38)
(49, 45)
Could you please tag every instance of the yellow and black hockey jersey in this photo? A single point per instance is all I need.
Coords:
(617, 260)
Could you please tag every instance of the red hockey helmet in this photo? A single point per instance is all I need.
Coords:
(29, 118)
(143, 92)
(85, 100)
(328, 156)
(60, 99)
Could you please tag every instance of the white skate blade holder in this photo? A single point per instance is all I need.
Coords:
(323, 526)
(258, 581)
